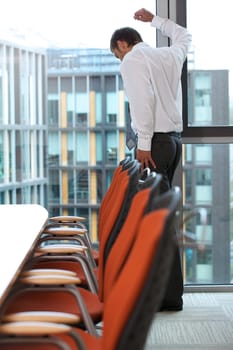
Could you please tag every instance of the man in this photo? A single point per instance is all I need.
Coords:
(152, 82)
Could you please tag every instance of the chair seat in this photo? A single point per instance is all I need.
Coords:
(67, 219)
(42, 316)
(61, 248)
(72, 266)
(65, 231)
(48, 271)
(33, 328)
(50, 279)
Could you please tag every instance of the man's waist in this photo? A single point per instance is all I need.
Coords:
(170, 133)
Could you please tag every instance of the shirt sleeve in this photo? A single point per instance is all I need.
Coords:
(180, 37)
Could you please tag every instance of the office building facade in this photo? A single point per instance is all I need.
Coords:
(23, 125)
(86, 127)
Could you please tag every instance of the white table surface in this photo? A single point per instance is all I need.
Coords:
(20, 228)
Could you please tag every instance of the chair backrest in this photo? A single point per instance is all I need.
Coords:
(117, 212)
(126, 237)
(115, 178)
(134, 175)
(138, 291)
(121, 172)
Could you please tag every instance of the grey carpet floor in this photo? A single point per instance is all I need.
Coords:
(205, 323)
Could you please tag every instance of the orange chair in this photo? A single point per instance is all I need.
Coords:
(128, 312)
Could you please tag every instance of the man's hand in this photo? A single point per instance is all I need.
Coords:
(144, 157)
(144, 15)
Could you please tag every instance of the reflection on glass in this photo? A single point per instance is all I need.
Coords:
(82, 186)
(208, 234)
(1, 158)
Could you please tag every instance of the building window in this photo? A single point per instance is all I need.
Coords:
(82, 109)
(112, 151)
(53, 149)
(82, 186)
(81, 119)
(82, 148)
(54, 186)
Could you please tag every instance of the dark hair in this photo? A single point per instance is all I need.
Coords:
(127, 34)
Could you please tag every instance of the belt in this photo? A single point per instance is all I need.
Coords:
(171, 133)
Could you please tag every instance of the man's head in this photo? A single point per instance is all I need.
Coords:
(123, 40)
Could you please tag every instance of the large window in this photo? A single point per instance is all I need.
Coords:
(206, 169)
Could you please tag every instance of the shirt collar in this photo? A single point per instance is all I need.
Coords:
(139, 45)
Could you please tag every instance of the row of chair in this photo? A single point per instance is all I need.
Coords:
(68, 288)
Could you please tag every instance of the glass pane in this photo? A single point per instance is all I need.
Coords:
(111, 155)
(53, 102)
(1, 157)
(210, 70)
(208, 194)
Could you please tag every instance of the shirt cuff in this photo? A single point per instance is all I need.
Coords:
(157, 21)
(144, 144)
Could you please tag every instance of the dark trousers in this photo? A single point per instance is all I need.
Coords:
(166, 152)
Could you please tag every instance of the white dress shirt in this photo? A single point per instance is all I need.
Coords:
(151, 78)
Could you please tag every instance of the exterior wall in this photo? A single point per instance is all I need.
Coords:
(23, 125)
